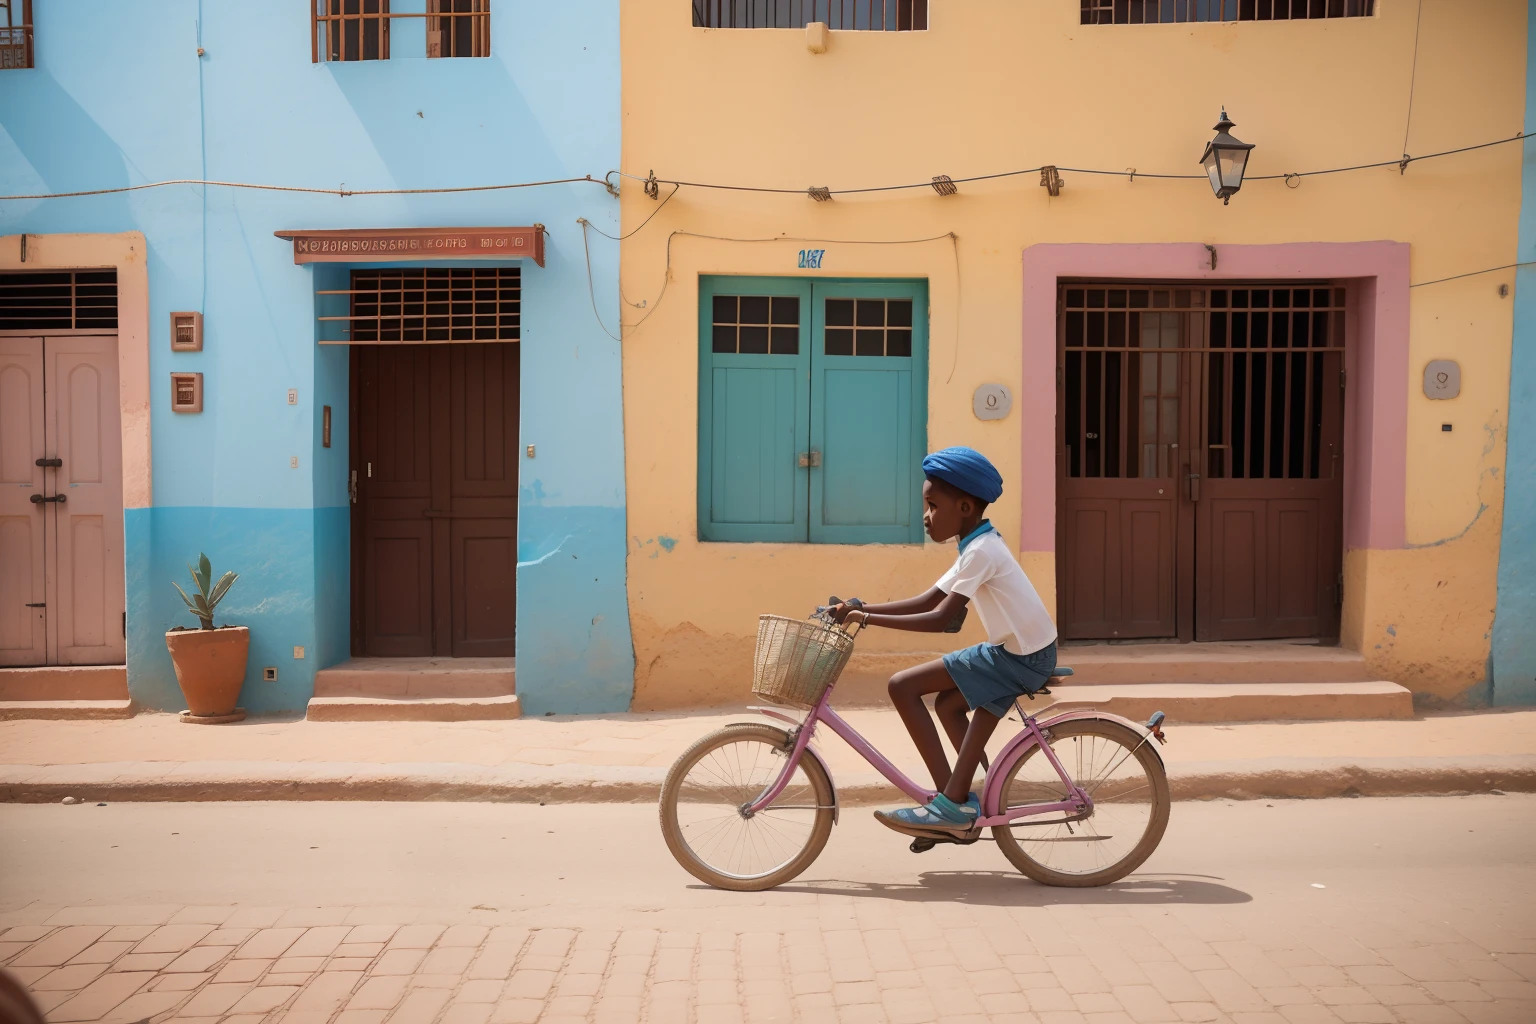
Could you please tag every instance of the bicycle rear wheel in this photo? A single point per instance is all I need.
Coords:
(702, 805)
(1121, 771)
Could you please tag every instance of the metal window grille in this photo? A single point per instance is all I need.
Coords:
(859, 15)
(1153, 12)
(423, 305)
(58, 300)
(868, 327)
(756, 324)
(15, 34)
(1242, 372)
(360, 29)
(459, 28)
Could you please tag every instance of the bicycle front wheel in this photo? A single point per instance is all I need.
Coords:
(1121, 771)
(703, 805)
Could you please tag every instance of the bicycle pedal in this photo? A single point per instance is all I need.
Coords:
(922, 845)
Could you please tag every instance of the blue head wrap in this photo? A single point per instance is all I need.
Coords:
(965, 469)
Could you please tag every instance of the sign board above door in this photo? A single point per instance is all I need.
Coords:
(390, 245)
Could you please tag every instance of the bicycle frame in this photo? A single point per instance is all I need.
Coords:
(1080, 803)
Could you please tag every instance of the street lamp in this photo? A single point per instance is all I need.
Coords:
(1225, 160)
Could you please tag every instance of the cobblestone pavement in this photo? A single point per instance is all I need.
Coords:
(1305, 912)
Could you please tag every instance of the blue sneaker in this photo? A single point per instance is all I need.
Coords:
(940, 815)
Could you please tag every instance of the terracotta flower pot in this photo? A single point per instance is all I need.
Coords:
(210, 667)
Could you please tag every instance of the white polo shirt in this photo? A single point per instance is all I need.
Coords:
(1013, 614)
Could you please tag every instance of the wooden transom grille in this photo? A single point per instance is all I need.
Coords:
(414, 305)
(58, 300)
(1259, 363)
(843, 15)
(1152, 12)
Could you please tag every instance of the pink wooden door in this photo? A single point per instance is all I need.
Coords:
(23, 621)
(85, 594)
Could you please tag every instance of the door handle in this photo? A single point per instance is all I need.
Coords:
(50, 463)
(1194, 487)
(38, 499)
(810, 458)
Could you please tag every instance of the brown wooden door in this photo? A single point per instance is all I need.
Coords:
(435, 525)
(1165, 529)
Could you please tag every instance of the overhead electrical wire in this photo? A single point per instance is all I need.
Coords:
(1131, 174)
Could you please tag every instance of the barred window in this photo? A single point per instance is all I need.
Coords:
(15, 34)
(842, 15)
(58, 300)
(360, 29)
(1152, 12)
(417, 305)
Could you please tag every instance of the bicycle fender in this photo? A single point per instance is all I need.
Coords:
(810, 751)
(1021, 743)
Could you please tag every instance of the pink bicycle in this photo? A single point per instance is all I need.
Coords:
(1077, 798)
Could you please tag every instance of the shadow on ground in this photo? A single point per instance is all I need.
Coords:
(1006, 889)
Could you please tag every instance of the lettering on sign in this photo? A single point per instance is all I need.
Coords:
(810, 259)
(365, 244)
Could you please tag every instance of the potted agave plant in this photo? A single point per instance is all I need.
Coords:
(210, 661)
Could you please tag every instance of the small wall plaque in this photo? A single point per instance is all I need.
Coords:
(1442, 379)
(992, 402)
(186, 332)
(186, 392)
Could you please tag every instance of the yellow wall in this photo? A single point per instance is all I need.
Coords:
(995, 85)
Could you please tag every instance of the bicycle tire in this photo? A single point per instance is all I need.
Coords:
(672, 831)
(1157, 780)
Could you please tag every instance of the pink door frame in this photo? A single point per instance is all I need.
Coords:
(1376, 361)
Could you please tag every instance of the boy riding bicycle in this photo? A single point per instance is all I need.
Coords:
(1017, 659)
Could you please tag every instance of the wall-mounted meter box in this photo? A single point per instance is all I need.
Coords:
(186, 392)
(186, 332)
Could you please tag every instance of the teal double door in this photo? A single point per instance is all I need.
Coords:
(812, 409)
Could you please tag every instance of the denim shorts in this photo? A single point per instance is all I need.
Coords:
(991, 676)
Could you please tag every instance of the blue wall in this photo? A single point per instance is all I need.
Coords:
(1514, 625)
(119, 96)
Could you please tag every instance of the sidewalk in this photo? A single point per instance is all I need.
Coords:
(625, 757)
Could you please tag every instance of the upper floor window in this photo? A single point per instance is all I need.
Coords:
(15, 34)
(361, 29)
(865, 15)
(1152, 12)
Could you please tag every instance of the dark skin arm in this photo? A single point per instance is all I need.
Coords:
(929, 612)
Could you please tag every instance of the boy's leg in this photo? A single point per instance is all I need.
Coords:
(907, 688)
(954, 714)
(983, 723)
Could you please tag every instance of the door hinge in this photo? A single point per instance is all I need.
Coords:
(125, 625)
(810, 458)
(352, 487)
(1060, 376)
(1343, 378)
(1338, 594)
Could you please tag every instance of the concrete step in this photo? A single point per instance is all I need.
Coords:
(1259, 661)
(16, 710)
(64, 682)
(418, 678)
(1239, 702)
(413, 709)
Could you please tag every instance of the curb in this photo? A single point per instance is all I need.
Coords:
(145, 781)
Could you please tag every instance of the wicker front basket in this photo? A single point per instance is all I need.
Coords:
(797, 659)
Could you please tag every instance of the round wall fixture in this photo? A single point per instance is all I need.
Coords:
(992, 401)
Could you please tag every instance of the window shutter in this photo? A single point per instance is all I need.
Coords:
(869, 371)
(754, 362)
